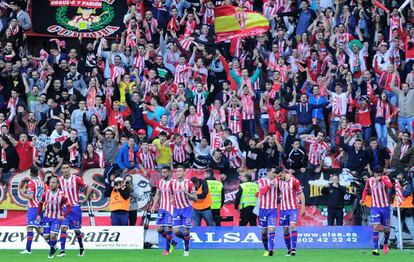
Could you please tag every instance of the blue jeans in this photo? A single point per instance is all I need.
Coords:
(334, 129)
(119, 218)
(405, 123)
(83, 139)
(181, 6)
(249, 125)
(381, 134)
(392, 98)
(264, 124)
(200, 214)
(366, 134)
(303, 129)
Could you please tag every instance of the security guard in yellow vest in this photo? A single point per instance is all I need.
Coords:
(216, 190)
(119, 200)
(407, 207)
(246, 200)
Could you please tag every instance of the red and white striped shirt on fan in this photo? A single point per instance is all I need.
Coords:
(71, 187)
(36, 188)
(378, 191)
(178, 188)
(179, 152)
(268, 194)
(234, 156)
(234, 119)
(146, 159)
(317, 150)
(165, 195)
(289, 190)
(54, 203)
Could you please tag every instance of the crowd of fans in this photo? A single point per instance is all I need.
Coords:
(329, 85)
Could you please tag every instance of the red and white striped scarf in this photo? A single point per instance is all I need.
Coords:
(116, 71)
(404, 149)
(208, 17)
(383, 109)
(150, 29)
(139, 63)
(132, 37)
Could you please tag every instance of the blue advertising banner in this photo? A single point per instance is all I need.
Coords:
(250, 237)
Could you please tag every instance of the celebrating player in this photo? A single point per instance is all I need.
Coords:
(183, 192)
(289, 188)
(71, 184)
(54, 200)
(35, 189)
(165, 210)
(268, 209)
(378, 185)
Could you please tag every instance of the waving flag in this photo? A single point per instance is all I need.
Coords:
(231, 22)
(398, 192)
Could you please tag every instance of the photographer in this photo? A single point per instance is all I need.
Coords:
(335, 200)
(407, 207)
(119, 202)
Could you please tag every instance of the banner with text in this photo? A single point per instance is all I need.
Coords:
(94, 238)
(74, 18)
(250, 237)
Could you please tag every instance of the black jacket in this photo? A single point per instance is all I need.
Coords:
(335, 196)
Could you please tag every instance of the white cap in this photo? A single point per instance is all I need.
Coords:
(119, 179)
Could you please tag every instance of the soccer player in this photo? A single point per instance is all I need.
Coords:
(289, 188)
(71, 184)
(183, 193)
(165, 210)
(268, 210)
(378, 185)
(35, 189)
(54, 200)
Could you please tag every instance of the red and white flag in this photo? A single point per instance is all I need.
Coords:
(398, 193)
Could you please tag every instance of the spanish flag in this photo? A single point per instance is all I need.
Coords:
(231, 22)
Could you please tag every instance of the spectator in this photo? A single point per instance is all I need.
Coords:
(403, 157)
(377, 156)
(9, 158)
(90, 159)
(356, 155)
(134, 197)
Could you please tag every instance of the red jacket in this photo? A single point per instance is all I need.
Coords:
(156, 127)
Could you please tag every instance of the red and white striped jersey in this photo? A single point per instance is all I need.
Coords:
(216, 140)
(234, 119)
(247, 106)
(163, 187)
(289, 189)
(35, 188)
(179, 152)
(378, 191)
(146, 159)
(317, 150)
(269, 199)
(54, 203)
(178, 188)
(71, 187)
(195, 119)
(182, 74)
(234, 156)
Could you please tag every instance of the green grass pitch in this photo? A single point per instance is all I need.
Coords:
(317, 255)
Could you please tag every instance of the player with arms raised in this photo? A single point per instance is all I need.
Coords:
(378, 186)
(71, 184)
(165, 210)
(289, 188)
(183, 193)
(35, 190)
(54, 201)
(268, 210)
